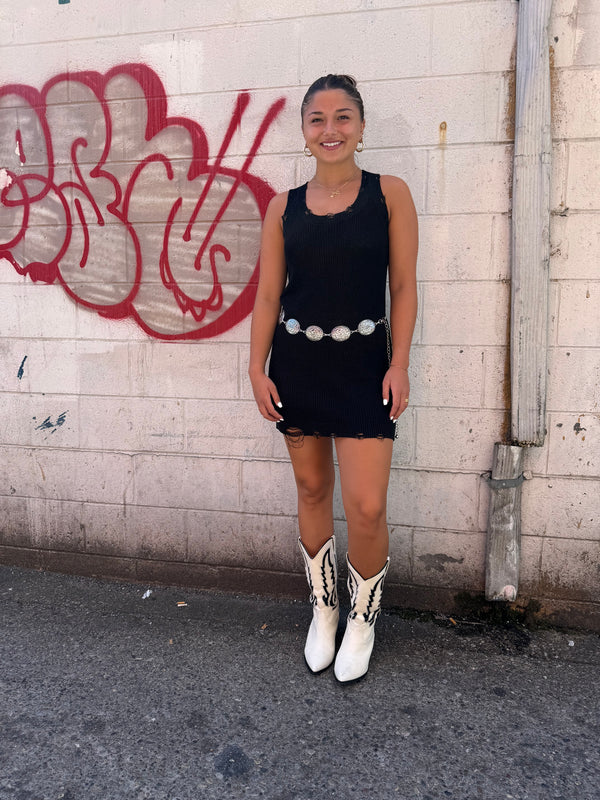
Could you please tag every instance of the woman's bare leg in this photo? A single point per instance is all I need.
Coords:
(312, 461)
(364, 476)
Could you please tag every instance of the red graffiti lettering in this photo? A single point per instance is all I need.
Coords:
(103, 192)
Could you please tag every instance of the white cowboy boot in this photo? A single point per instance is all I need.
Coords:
(321, 572)
(352, 660)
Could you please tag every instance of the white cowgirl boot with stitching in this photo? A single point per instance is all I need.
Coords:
(321, 572)
(352, 660)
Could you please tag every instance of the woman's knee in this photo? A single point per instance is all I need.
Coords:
(313, 490)
(368, 513)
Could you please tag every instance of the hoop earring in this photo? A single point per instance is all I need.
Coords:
(307, 152)
(360, 146)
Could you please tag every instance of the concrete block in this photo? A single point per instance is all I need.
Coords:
(226, 428)
(401, 554)
(410, 164)
(64, 22)
(576, 103)
(562, 32)
(575, 446)
(418, 331)
(40, 420)
(483, 37)
(39, 523)
(404, 445)
(573, 379)
(134, 531)
(579, 314)
(32, 366)
(14, 528)
(38, 310)
(575, 244)
(409, 113)
(428, 499)
(159, 533)
(91, 325)
(466, 312)
(363, 34)
(536, 458)
(55, 524)
(268, 486)
(225, 58)
(32, 63)
(529, 566)
(458, 439)
(131, 424)
(587, 46)
(9, 277)
(456, 247)
(103, 367)
(245, 391)
(134, 19)
(214, 113)
(184, 369)
(561, 507)
(276, 9)
(495, 386)
(187, 482)
(583, 183)
(65, 474)
(446, 376)
(64, 367)
(569, 569)
(558, 177)
(447, 558)
(254, 541)
(469, 180)
(500, 255)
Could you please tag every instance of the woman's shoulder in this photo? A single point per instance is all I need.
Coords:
(393, 184)
(277, 206)
(396, 191)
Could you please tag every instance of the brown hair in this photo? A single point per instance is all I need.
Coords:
(344, 82)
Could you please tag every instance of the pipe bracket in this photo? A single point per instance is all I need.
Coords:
(504, 483)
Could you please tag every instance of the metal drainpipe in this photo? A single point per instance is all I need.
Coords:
(530, 251)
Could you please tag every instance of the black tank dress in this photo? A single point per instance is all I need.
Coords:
(330, 348)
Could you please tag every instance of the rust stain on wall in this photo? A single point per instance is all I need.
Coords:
(443, 131)
(557, 107)
(505, 430)
(511, 101)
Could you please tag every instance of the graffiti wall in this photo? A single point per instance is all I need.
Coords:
(123, 205)
(140, 144)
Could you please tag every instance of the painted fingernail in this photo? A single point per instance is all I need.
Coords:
(280, 405)
(385, 401)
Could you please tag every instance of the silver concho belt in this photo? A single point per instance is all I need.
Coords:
(339, 334)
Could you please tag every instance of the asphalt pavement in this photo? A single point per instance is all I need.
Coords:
(115, 691)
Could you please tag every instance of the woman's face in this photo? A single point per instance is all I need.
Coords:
(332, 126)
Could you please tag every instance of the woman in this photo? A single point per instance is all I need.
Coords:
(335, 371)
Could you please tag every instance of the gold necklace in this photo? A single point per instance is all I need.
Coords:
(337, 191)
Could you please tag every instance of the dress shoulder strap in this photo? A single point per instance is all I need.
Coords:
(295, 199)
(373, 187)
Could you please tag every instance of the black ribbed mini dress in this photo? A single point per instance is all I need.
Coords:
(336, 276)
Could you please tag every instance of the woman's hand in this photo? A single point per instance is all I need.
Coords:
(266, 396)
(396, 387)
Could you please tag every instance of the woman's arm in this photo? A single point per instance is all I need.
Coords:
(266, 308)
(404, 241)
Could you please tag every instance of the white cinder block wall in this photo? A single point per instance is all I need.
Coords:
(130, 443)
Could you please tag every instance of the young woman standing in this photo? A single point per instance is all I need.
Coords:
(338, 370)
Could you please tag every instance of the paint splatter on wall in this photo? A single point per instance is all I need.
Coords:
(103, 192)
